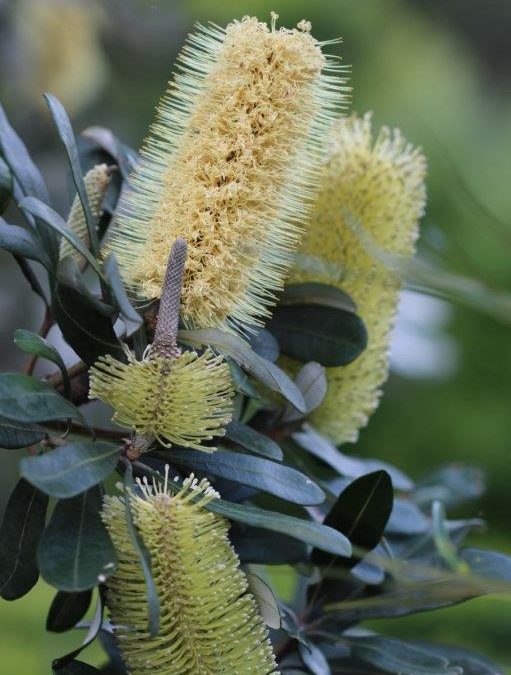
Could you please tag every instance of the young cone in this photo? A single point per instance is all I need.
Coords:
(209, 623)
(177, 398)
(96, 182)
(230, 165)
(371, 198)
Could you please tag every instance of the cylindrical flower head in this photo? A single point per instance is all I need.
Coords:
(377, 185)
(209, 623)
(230, 165)
(96, 182)
(183, 401)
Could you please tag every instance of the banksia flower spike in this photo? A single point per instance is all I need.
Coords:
(209, 623)
(180, 398)
(96, 182)
(230, 164)
(377, 187)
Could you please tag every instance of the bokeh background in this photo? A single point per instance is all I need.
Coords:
(438, 69)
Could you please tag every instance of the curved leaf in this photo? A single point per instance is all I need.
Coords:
(66, 610)
(69, 470)
(311, 381)
(75, 552)
(315, 293)
(21, 242)
(252, 440)
(31, 343)
(20, 533)
(5, 185)
(132, 319)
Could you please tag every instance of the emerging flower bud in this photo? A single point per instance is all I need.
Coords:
(209, 623)
(96, 182)
(231, 165)
(377, 187)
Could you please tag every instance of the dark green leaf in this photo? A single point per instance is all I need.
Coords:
(26, 399)
(314, 293)
(5, 185)
(252, 440)
(332, 337)
(265, 371)
(67, 137)
(15, 434)
(61, 664)
(31, 343)
(311, 381)
(29, 275)
(83, 323)
(75, 552)
(21, 242)
(21, 530)
(71, 469)
(360, 513)
(254, 545)
(313, 658)
(66, 610)
(469, 662)
(353, 467)
(395, 656)
(47, 215)
(132, 319)
(153, 602)
(272, 477)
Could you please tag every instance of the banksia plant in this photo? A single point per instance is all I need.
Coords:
(96, 182)
(209, 623)
(176, 398)
(371, 198)
(230, 165)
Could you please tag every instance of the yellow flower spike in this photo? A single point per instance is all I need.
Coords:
(96, 182)
(377, 185)
(230, 165)
(209, 623)
(178, 398)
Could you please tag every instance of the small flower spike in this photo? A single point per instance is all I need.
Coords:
(96, 182)
(177, 398)
(210, 624)
(378, 185)
(231, 165)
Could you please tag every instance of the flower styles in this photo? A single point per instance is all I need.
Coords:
(371, 198)
(96, 182)
(177, 398)
(209, 623)
(230, 165)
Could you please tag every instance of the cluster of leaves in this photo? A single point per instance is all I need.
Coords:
(365, 542)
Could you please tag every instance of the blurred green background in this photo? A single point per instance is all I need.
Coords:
(438, 69)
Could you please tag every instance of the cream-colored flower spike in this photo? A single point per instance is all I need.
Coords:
(177, 398)
(371, 198)
(96, 182)
(209, 622)
(230, 165)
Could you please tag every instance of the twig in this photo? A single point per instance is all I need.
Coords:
(56, 379)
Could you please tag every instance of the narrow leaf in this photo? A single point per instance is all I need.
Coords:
(313, 658)
(75, 552)
(21, 242)
(66, 134)
(20, 533)
(265, 599)
(5, 185)
(129, 315)
(71, 469)
(272, 477)
(311, 381)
